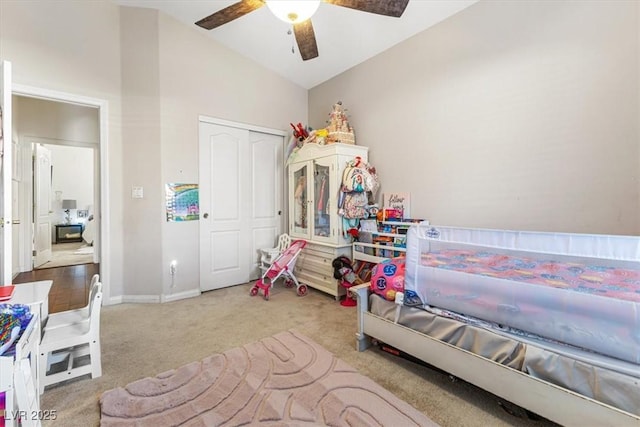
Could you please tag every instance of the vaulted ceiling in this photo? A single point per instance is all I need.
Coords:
(345, 37)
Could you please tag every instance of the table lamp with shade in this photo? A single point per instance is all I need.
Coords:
(67, 205)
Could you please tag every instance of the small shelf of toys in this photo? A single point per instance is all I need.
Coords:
(383, 238)
(383, 242)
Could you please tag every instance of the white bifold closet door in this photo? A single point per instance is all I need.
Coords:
(241, 202)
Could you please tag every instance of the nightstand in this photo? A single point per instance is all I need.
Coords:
(66, 233)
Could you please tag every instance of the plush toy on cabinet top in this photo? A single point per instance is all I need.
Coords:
(339, 129)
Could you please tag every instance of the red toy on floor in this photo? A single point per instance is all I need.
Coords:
(350, 275)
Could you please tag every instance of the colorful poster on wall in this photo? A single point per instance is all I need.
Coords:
(182, 202)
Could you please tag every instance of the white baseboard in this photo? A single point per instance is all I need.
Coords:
(180, 295)
(114, 300)
(141, 298)
(153, 299)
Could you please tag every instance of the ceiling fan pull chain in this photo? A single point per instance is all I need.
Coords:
(293, 50)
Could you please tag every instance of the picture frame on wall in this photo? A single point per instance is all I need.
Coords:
(83, 213)
(398, 200)
(182, 202)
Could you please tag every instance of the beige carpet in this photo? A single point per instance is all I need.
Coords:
(63, 254)
(142, 340)
(286, 379)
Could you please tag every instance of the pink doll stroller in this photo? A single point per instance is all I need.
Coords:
(282, 266)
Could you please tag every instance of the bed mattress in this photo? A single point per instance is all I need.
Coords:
(584, 294)
(600, 378)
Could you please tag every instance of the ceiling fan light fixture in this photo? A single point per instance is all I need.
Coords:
(292, 11)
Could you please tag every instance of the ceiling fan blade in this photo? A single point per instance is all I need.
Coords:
(230, 13)
(393, 8)
(306, 40)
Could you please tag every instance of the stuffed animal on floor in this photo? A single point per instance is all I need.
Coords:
(343, 270)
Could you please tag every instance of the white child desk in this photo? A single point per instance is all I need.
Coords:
(19, 372)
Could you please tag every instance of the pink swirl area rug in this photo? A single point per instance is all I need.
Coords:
(283, 380)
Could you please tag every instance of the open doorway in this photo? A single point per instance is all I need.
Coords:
(58, 158)
(71, 213)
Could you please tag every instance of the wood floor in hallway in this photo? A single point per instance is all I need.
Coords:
(70, 289)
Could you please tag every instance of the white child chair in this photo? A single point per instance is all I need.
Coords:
(69, 317)
(268, 255)
(71, 342)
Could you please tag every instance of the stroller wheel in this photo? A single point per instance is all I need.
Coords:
(254, 291)
(288, 283)
(302, 290)
(266, 295)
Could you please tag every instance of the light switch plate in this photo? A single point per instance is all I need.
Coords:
(137, 192)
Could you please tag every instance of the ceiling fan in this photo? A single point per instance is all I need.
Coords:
(299, 14)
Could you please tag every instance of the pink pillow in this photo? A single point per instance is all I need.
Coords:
(387, 278)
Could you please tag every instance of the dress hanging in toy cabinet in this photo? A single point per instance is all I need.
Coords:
(300, 197)
(322, 197)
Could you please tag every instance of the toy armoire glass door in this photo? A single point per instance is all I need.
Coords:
(299, 179)
(323, 228)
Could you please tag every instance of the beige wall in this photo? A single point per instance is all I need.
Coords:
(141, 123)
(56, 120)
(157, 76)
(519, 115)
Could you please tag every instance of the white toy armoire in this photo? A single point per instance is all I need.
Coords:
(315, 176)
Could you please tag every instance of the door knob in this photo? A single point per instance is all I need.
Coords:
(206, 215)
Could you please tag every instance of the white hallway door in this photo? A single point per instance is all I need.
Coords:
(6, 164)
(241, 182)
(42, 205)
